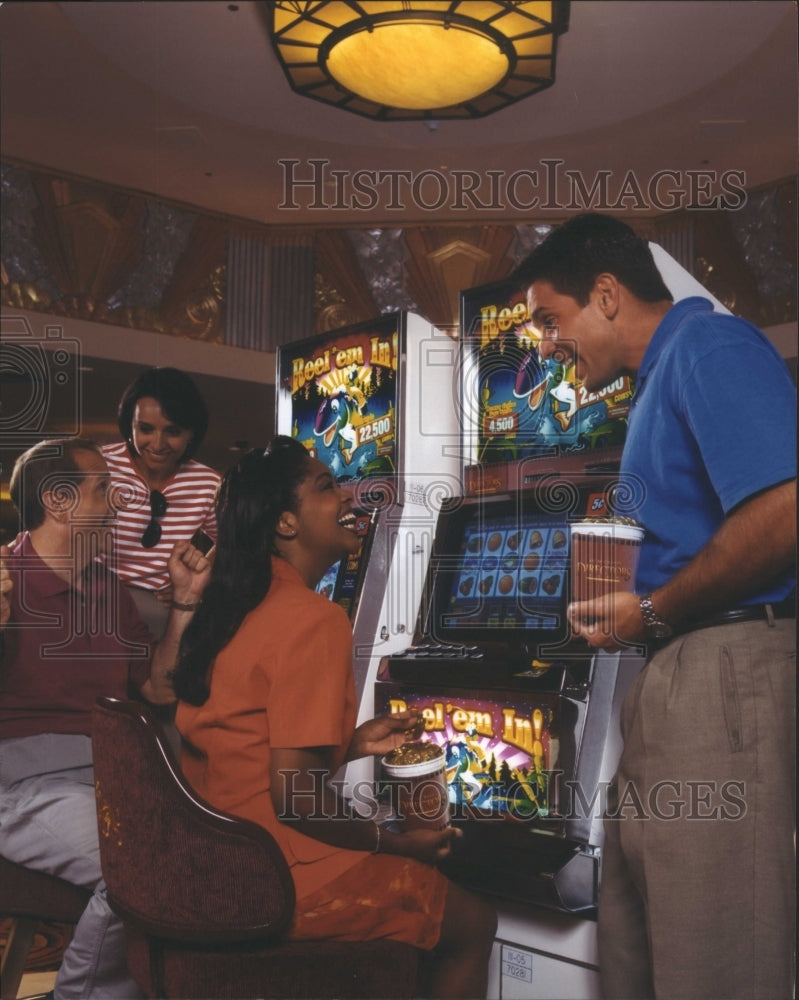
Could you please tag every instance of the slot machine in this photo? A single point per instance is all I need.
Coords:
(527, 715)
(377, 403)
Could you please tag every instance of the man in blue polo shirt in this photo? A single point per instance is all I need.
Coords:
(697, 897)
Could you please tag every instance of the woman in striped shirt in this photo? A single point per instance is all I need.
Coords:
(160, 492)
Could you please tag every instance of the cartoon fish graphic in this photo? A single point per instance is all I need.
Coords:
(333, 418)
(531, 380)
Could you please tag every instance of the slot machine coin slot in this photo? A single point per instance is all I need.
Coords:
(603, 467)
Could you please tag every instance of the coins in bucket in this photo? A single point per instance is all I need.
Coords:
(419, 785)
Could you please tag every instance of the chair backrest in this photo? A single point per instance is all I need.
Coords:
(175, 867)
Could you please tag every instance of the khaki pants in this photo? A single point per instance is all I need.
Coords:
(697, 899)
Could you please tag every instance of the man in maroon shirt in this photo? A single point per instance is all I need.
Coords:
(71, 633)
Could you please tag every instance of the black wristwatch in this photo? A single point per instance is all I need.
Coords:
(659, 628)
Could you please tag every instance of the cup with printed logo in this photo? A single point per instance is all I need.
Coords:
(604, 556)
(419, 785)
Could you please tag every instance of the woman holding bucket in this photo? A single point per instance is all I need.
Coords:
(267, 714)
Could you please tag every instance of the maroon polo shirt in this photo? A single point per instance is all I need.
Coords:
(63, 648)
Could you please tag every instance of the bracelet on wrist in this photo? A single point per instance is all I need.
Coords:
(376, 848)
(183, 607)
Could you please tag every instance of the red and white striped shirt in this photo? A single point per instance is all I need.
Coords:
(190, 496)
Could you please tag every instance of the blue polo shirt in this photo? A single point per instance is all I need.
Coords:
(712, 423)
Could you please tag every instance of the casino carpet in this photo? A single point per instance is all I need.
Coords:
(48, 945)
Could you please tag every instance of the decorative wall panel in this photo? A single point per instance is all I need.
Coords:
(78, 248)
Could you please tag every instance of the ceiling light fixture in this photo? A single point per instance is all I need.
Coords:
(402, 60)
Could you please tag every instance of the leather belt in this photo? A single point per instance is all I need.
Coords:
(786, 608)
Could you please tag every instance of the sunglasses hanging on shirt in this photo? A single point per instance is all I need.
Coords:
(152, 533)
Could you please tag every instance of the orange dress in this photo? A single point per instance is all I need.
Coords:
(285, 680)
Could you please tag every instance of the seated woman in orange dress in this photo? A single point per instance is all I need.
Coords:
(267, 715)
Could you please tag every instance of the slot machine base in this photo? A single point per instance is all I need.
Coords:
(543, 955)
(542, 876)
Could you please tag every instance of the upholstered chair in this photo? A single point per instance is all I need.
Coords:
(206, 897)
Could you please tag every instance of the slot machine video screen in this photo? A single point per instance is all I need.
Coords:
(499, 572)
(527, 405)
(343, 581)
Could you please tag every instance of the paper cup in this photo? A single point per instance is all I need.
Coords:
(419, 786)
(604, 557)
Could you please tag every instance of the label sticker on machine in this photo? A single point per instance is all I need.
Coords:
(499, 753)
(517, 964)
